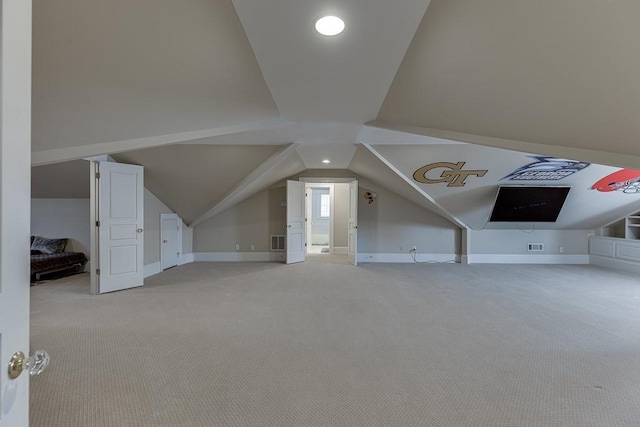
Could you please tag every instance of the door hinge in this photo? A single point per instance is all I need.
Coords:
(97, 223)
(97, 271)
(97, 175)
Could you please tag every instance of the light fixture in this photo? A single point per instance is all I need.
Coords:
(329, 25)
(325, 161)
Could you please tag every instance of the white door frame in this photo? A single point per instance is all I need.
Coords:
(309, 213)
(164, 216)
(15, 191)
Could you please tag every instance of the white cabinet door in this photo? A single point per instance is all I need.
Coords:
(353, 223)
(295, 222)
(15, 196)
(169, 240)
(121, 216)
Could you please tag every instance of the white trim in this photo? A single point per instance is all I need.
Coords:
(526, 259)
(45, 157)
(340, 250)
(599, 157)
(151, 269)
(407, 258)
(618, 264)
(318, 180)
(185, 259)
(238, 256)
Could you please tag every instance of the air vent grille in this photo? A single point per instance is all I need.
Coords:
(277, 242)
(535, 247)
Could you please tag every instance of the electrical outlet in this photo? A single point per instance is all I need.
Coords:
(414, 247)
(253, 248)
(561, 249)
(237, 246)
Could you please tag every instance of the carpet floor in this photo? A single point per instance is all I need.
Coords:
(324, 343)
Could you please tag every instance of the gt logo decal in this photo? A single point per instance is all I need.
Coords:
(455, 176)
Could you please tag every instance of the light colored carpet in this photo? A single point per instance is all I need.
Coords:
(329, 344)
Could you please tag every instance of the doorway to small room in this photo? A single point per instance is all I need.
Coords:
(327, 216)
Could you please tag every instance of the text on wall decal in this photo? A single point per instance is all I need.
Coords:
(546, 169)
(453, 174)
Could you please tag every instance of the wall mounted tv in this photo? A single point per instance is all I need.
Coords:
(528, 204)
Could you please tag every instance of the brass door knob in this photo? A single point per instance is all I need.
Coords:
(34, 364)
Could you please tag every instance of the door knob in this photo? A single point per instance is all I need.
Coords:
(165, 241)
(139, 230)
(34, 364)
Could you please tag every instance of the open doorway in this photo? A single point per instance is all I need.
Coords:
(327, 214)
(320, 218)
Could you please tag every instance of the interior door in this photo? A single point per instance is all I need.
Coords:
(15, 191)
(353, 223)
(295, 222)
(169, 229)
(120, 230)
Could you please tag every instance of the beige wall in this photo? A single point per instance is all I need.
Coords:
(63, 218)
(392, 222)
(386, 225)
(247, 223)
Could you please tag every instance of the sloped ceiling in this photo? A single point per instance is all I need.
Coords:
(191, 178)
(167, 84)
(121, 69)
(552, 73)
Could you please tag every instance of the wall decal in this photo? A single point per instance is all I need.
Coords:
(625, 180)
(455, 176)
(546, 169)
(370, 196)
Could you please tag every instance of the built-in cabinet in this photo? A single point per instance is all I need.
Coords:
(617, 245)
(632, 226)
(625, 228)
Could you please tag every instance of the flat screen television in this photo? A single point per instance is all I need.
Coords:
(528, 204)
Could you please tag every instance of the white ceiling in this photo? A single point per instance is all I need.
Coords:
(557, 78)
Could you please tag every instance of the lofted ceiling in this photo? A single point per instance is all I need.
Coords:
(218, 98)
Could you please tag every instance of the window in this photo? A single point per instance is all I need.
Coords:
(324, 206)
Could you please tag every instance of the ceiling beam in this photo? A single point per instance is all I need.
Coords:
(269, 172)
(39, 158)
(438, 208)
(574, 153)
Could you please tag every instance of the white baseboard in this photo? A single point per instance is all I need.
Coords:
(185, 259)
(339, 250)
(238, 256)
(406, 258)
(526, 259)
(151, 269)
(616, 263)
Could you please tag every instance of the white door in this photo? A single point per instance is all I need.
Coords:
(353, 223)
(169, 240)
(121, 220)
(308, 217)
(15, 191)
(295, 222)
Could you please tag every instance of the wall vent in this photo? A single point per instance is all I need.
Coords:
(535, 247)
(277, 243)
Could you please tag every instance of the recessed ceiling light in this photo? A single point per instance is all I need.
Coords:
(329, 25)
(326, 161)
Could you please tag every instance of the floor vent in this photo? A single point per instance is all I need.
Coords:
(535, 247)
(277, 242)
